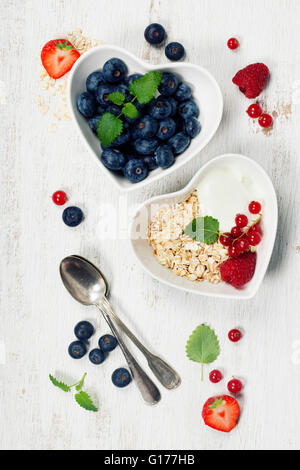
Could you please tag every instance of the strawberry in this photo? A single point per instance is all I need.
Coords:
(252, 79)
(238, 271)
(58, 57)
(221, 413)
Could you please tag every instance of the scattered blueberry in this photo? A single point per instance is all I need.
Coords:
(121, 377)
(174, 51)
(183, 92)
(160, 109)
(192, 127)
(107, 343)
(188, 109)
(179, 143)
(86, 104)
(114, 70)
(136, 170)
(132, 77)
(94, 80)
(145, 146)
(145, 128)
(155, 33)
(166, 129)
(93, 123)
(84, 330)
(96, 356)
(168, 84)
(102, 93)
(72, 216)
(164, 156)
(77, 349)
(113, 159)
(150, 162)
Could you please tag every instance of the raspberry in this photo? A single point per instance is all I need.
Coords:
(238, 271)
(252, 79)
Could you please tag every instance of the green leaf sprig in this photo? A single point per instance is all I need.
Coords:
(203, 346)
(204, 230)
(143, 90)
(81, 397)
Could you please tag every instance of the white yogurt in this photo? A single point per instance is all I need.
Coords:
(225, 191)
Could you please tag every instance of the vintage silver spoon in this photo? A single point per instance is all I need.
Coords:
(83, 282)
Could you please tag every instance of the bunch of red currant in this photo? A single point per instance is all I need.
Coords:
(242, 235)
(255, 111)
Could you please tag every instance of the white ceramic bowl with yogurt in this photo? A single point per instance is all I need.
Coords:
(226, 185)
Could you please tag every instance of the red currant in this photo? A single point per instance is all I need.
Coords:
(255, 207)
(233, 43)
(236, 232)
(265, 120)
(234, 251)
(226, 239)
(243, 244)
(215, 376)
(59, 198)
(234, 335)
(254, 110)
(235, 386)
(241, 220)
(254, 238)
(256, 228)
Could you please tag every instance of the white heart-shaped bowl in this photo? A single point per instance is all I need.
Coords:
(206, 93)
(144, 254)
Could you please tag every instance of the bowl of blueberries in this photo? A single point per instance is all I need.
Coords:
(141, 121)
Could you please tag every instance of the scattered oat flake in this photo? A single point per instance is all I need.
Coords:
(43, 109)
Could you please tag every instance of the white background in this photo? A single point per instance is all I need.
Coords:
(37, 314)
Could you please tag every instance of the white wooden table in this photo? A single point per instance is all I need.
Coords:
(38, 316)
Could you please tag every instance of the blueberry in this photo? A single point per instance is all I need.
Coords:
(113, 159)
(100, 110)
(114, 109)
(86, 104)
(107, 343)
(145, 128)
(93, 123)
(121, 377)
(168, 84)
(155, 33)
(188, 109)
(132, 78)
(94, 80)
(84, 330)
(72, 216)
(174, 51)
(124, 138)
(125, 91)
(180, 124)
(145, 146)
(160, 109)
(97, 356)
(164, 156)
(192, 127)
(150, 162)
(77, 349)
(166, 129)
(114, 70)
(172, 103)
(179, 143)
(183, 92)
(136, 170)
(102, 93)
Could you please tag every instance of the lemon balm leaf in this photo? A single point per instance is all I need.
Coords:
(117, 98)
(203, 346)
(204, 230)
(144, 88)
(85, 401)
(130, 111)
(109, 128)
(59, 384)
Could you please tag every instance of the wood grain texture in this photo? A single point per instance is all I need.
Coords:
(38, 316)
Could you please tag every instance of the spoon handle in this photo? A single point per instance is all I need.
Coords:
(148, 389)
(167, 376)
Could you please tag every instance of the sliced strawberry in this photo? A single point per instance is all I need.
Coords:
(58, 57)
(221, 413)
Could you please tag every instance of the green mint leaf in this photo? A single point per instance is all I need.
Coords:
(130, 111)
(59, 384)
(79, 386)
(109, 128)
(85, 401)
(117, 98)
(204, 230)
(144, 88)
(203, 345)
